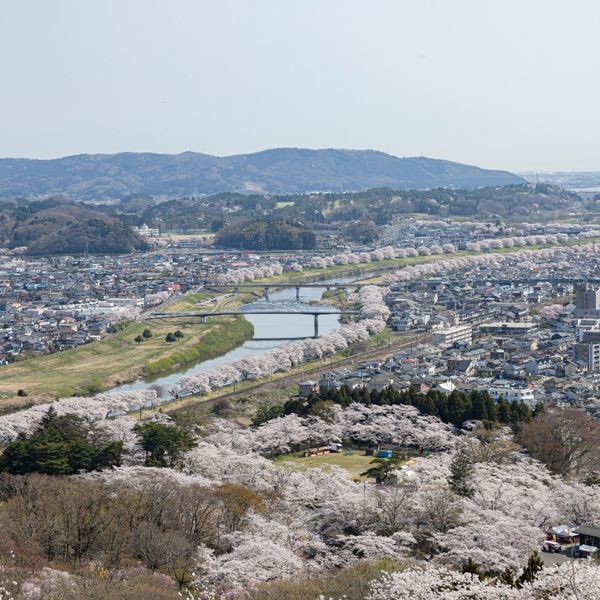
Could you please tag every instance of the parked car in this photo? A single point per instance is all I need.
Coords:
(550, 546)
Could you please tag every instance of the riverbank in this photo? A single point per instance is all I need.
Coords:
(221, 338)
(119, 359)
(361, 269)
(379, 347)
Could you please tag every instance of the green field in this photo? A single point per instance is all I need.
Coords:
(355, 464)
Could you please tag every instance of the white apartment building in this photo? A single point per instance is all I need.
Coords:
(510, 392)
(456, 333)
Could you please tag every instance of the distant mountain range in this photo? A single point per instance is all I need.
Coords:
(278, 171)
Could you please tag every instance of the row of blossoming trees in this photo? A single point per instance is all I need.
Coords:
(373, 314)
(238, 276)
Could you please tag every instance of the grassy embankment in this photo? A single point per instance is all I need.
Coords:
(217, 340)
(119, 358)
(382, 340)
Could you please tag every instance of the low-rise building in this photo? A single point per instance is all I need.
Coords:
(513, 328)
(450, 335)
(511, 392)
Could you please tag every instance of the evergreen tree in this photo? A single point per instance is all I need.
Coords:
(60, 446)
(533, 567)
(345, 395)
(164, 444)
(458, 407)
(461, 472)
(471, 567)
(504, 411)
(382, 468)
(363, 395)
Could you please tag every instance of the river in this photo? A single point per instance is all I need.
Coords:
(265, 326)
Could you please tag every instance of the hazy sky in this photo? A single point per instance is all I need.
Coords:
(510, 84)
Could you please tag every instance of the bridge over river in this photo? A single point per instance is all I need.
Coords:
(203, 316)
(297, 286)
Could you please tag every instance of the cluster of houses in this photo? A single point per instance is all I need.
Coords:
(532, 342)
(54, 303)
(48, 304)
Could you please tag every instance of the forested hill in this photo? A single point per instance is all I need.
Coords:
(383, 205)
(56, 226)
(278, 171)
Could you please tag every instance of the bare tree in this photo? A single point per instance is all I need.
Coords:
(394, 506)
(566, 441)
(441, 509)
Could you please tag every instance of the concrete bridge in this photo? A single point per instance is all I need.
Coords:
(203, 316)
(296, 286)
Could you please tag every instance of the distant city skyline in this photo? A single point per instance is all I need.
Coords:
(501, 85)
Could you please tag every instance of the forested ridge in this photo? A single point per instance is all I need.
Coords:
(267, 235)
(58, 226)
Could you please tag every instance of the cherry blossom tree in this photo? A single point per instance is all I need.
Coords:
(96, 408)
(571, 580)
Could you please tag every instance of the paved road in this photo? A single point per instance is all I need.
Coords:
(550, 558)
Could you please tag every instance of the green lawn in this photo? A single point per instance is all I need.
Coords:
(355, 464)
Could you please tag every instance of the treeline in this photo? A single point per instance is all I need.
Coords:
(383, 203)
(455, 408)
(267, 235)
